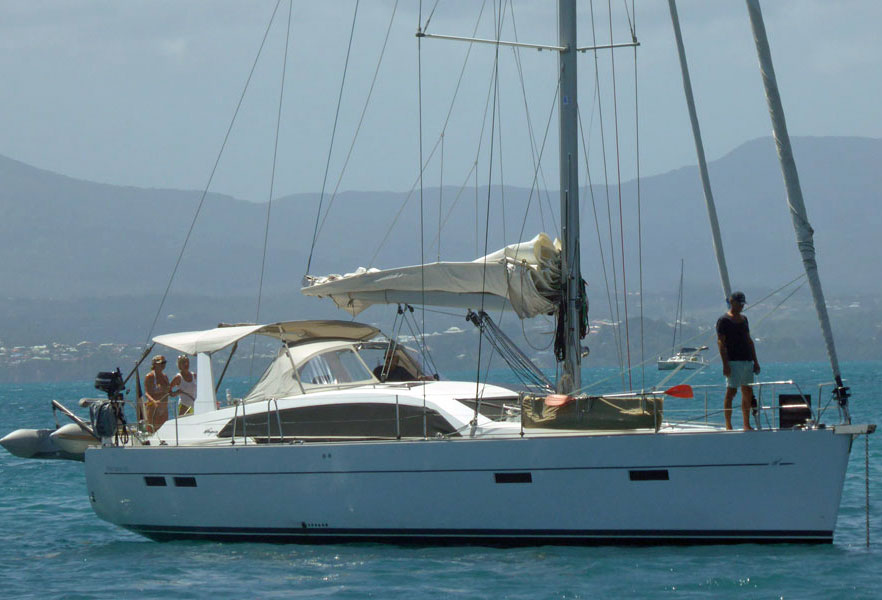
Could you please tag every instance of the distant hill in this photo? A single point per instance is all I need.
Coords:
(89, 261)
(61, 237)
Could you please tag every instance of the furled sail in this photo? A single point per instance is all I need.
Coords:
(524, 276)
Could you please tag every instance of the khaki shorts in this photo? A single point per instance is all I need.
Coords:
(740, 373)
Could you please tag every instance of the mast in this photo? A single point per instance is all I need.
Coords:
(678, 318)
(699, 150)
(570, 378)
(801, 225)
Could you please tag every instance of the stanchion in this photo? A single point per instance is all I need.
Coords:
(867, 483)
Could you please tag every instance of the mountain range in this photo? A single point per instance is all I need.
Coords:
(81, 257)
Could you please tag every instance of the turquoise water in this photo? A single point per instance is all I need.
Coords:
(54, 546)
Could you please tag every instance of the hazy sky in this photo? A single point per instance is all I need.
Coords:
(141, 93)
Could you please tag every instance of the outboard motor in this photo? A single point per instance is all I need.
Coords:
(111, 383)
(108, 418)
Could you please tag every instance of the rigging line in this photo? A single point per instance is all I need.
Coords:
(769, 295)
(498, 109)
(633, 26)
(333, 136)
(537, 161)
(590, 187)
(427, 355)
(429, 18)
(501, 173)
(475, 165)
(441, 196)
(612, 59)
(435, 147)
(495, 87)
(360, 119)
(678, 311)
(269, 203)
(422, 225)
(477, 217)
(530, 131)
(612, 248)
(444, 312)
(549, 333)
(211, 175)
(597, 229)
(453, 205)
(541, 154)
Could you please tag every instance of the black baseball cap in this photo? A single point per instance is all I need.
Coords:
(737, 297)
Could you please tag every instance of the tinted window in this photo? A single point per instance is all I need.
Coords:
(361, 420)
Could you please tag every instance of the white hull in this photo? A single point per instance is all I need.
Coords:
(696, 487)
(670, 365)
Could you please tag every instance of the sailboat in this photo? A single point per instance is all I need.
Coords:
(687, 357)
(325, 449)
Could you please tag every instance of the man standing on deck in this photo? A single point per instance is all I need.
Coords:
(739, 357)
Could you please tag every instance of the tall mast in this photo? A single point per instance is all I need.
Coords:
(699, 150)
(804, 231)
(570, 378)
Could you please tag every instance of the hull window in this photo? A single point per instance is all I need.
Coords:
(649, 475)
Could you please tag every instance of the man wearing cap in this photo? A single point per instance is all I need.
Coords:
(739, 357)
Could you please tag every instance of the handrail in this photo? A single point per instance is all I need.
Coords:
(235, 418)
(269, 437)
(177, 410)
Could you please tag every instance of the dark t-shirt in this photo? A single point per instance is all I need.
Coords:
(737, 337)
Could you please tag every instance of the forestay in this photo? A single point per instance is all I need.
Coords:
(524, 276)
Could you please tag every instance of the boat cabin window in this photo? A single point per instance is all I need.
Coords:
(334, 368)
(340, 421)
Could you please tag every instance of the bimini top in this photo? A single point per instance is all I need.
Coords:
(212, 340)
(525, 276)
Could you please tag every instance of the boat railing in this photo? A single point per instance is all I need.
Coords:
(766, 414)
(244, 424)
(177, 413)
(269, 437)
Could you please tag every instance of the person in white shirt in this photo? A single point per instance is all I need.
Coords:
(183, 385)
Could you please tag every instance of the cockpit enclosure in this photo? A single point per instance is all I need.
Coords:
(301, 368)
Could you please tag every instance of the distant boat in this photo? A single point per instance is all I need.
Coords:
(687, 357)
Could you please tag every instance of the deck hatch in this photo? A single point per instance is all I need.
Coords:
(153, 481)
(649, 475)
(513, 477)
(185, 482)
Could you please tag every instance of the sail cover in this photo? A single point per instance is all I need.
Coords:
(524, 276)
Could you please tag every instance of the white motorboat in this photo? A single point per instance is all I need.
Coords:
(322, 449)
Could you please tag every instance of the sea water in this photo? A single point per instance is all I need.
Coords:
(53, 545)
